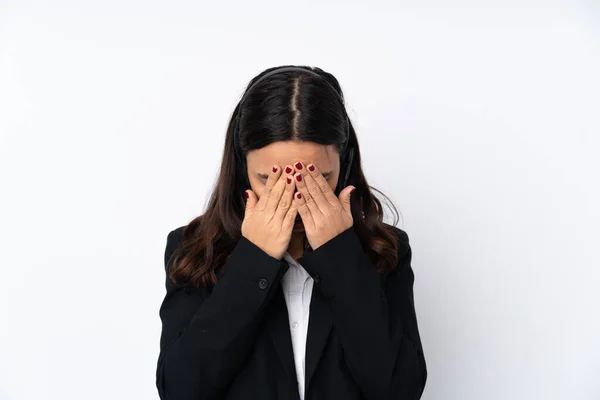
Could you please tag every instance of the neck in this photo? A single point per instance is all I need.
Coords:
(296, 246)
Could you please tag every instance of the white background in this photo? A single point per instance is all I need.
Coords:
(480, 120)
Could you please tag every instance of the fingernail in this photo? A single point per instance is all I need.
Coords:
(298, 195)
(274, 169)
(289, 180)
(247, 195)
(352, 190)
(288, 170)
(311, 167)
(298, 166)
(299, 178)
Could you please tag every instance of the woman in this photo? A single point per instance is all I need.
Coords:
(290, 286)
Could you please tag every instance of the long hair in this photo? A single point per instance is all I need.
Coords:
(290, 105)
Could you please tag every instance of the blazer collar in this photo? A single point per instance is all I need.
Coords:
(319, 327)
(278, 327)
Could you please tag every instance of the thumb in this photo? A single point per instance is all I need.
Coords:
(344, 198)
(251, 200)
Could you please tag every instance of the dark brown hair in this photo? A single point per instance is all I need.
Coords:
(290, 105)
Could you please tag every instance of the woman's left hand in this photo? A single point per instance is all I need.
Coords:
(323, 214)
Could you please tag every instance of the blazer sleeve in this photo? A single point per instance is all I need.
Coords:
(375, 318)
(206, 335)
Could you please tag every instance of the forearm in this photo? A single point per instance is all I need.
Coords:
(377, 329)
(211, 345)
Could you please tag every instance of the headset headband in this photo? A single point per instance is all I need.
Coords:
(346, 152)
(236, 130)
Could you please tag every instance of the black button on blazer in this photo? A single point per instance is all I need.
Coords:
(233, 342)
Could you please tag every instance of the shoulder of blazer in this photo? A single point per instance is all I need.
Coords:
(403, 265)
(403, 241)
(174, 241)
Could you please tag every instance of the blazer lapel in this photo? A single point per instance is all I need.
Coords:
(319, 326)
(277, 324)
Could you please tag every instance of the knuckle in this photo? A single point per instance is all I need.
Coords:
(308, 198)
(284, 203)
(289, 217)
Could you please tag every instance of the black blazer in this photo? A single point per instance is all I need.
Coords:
(233, 341)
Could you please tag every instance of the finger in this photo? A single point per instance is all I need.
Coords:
(286, 199)
(306, 196)
(273, 177)
(290, 218)
(304, 211)
(275, 194)
(251, 201)
(344, 198)
(271, 181)
(322, 183)
(313, 188)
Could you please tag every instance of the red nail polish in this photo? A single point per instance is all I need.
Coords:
(274, 169)
(288, 170)
(247, 195)
(298, 166)
(298, 195)
(352, 191)
(289, 180)
(311, 167)
(299, 178)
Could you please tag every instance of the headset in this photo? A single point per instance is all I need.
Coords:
(346, 152)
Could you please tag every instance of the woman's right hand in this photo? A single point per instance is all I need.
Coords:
(268, 221)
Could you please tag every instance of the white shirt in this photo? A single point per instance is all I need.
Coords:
(297, 287)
